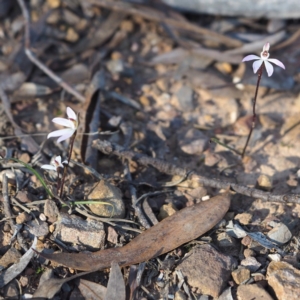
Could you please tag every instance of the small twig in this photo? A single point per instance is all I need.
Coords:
(108, 221)
(7, 211)
(127, 131)
(168, 168)
(37, 62)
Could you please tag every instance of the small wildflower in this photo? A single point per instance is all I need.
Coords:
(264, 58)
(71, 123)
(55, 164)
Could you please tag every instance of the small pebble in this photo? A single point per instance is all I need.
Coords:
(265, 182)
(280, 234)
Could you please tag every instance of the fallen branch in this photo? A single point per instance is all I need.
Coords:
(157, 16)
(168, 168)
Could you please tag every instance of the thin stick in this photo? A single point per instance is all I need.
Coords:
(260, 70)
(168, 168)
(38, 63)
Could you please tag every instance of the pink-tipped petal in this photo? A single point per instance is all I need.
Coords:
(71, 114)
(256, 65)
(250, 57)
(58, 132)
(57, 162)
(63, 122)
(277, 62)
(48, 167)
(58, 159)
(266, 47)
(269, 68)
(66, 136)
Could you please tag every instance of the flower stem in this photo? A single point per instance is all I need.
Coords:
(66, 165)
(259, 73)
(58, 179)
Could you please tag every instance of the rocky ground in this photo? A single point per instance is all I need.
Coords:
(167, 104)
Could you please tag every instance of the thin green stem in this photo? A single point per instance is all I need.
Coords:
(217, 141)
(259, 73)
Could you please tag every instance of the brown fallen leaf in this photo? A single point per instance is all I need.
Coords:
(180, 228)
(49, 286)
(91, 290)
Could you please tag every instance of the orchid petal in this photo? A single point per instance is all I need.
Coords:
(71, 114)
(57, 162)
(266, 47)
(277, 62)
(58, 159)
(257, 65)
(63, 122)
(48, 167)
(65, 136)
(269, 68)
(250, 57)
(59, 132)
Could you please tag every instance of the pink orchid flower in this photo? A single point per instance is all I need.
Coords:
(71, 123)
(55, 164)
(264, 58)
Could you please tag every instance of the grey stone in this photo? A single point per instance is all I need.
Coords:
(51, 211)
(240, 275)
(252, 291)
(87, 233)
(280, 234)
(192, 141)
(251, 263)
(37, 227)
(111, 197)
(185, 98)
(284, 280)
(207, 269)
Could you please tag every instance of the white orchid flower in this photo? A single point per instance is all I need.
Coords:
(71, 123)
(264, 58)
(55, 164)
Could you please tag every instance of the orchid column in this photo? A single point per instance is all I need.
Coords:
(258, 66)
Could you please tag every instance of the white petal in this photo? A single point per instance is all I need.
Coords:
(63, 122)
(65, 162)
(266, 47)
(58, 159)
(250, 57)
(58, 132)
(277, 62)
(269, 68)
(48, 167)
(67, 135)
(71, 114)
(256, 65)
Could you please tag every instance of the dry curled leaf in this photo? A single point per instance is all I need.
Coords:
(180, 228)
